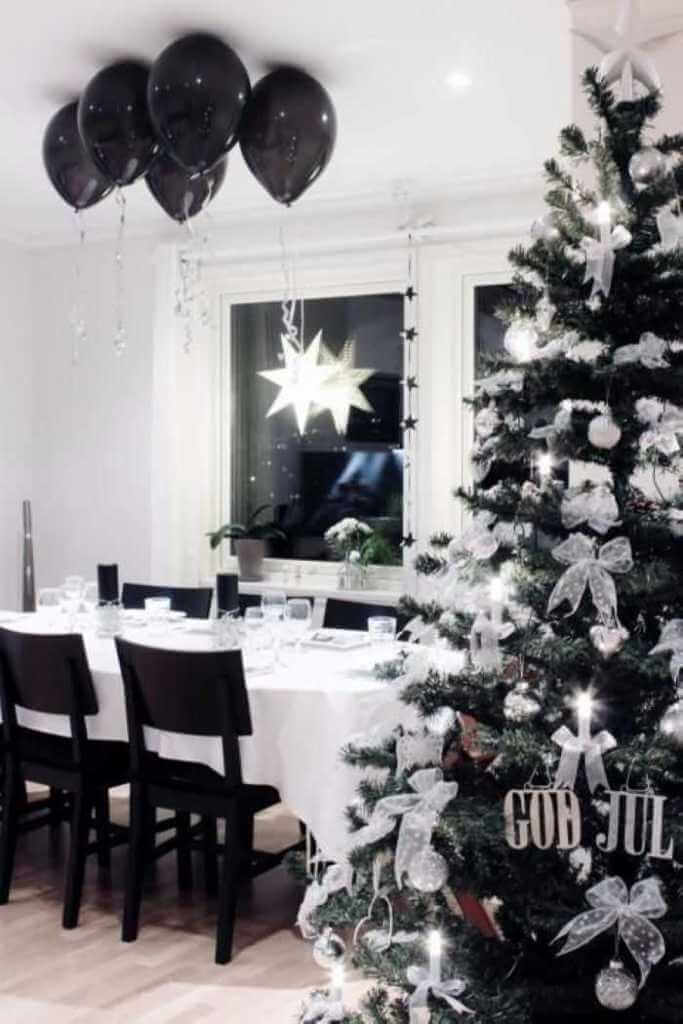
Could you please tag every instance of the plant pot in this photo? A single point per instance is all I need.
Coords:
(250, 554)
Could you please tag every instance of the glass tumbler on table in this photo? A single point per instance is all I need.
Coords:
(50, 605)
(72, 595)
(298, 616)
(157, 611)
(381, 630)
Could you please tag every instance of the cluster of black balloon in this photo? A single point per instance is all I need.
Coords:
(174, 123)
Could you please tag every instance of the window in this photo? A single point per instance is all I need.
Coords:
(336, 467)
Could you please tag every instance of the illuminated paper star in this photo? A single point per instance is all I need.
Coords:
(625, 58)
(301, 380)
(341, 391)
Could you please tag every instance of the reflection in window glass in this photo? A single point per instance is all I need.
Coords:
(311, 481)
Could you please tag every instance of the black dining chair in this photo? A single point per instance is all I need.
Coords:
(204, 694)
(50, 674)
(341, 614)
(194, 601)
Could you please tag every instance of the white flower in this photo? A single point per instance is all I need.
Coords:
(346, 528)
(354, 556)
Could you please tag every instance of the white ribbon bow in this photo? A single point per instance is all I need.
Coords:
(670, 229)
(600, 258)
(479, 539)
(336, 878)
(420, 812)
(503, 380)
(650, 351)
(321, 1010)
(671, 641)
(595, 506)
(576, 747)
(613, 904)
(424, 983)
(586, 569)
(664, 428)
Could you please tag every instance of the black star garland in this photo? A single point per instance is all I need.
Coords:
(410, 293)
(411, 383)
(409, 423)
(407, 542)
(410, 334)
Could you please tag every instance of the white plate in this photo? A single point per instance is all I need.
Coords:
(336, 640)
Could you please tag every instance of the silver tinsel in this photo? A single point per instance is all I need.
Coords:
(615, 987)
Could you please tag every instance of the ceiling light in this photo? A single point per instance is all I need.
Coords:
(459, 81)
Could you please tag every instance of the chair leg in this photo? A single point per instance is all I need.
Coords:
(246, 827)
(75, 870)
(102, 829)
(227, 896)
(209, 845)
(184, 851)
(11, 795)
(56, 807)
(140, 818)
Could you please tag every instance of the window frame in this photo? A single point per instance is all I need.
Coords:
(354, 274)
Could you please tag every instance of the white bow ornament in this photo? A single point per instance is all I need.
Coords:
(671, 641)
(600, 257)
(613, 904)
(651, 351)
(588, 568)
(595, 506)
(336, 878)
(670, 229)
(424, 983)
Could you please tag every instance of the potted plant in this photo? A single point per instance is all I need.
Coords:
(250, 542)
(346, 538)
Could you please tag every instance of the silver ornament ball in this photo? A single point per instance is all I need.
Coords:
(520, 705)
(615, 987)
(428, 871)
(603, 432)
(646, 166)
(671, 723)
(520, 341)
(608, 641)
(329, 950)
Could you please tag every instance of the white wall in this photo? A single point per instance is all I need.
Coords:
(16, 400)
(92, 431)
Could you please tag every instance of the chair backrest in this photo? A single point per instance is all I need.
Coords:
(248, 601)
(355, 614)
(194, 601)
(46, 673)
(202, 693)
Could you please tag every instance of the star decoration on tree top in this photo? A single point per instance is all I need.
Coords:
(625, 59)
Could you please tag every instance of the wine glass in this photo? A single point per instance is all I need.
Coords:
(50, 604)
(298, 615)
(90, 597)
(72, 595)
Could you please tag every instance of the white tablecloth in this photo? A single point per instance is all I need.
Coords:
(302, 715)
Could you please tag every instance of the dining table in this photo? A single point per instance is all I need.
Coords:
(306, 704)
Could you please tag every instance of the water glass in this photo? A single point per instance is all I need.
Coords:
(226, 632)
(157, 611)
(72, 595)
(108, 619)
(381, 629)
(50, 604)
(298, 616)
(90, 597)
(273, 604)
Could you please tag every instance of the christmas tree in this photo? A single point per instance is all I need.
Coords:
(514, 849)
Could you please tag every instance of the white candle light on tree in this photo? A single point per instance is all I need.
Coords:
(337, 986)
(497, 591)
(545, 466)
(604, 219)
(584, 712)
(435, 946)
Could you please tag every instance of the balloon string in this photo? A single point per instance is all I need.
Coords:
(78, 308)
(120, 332)
(289, 299)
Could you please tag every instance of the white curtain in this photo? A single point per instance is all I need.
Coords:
(182, 438)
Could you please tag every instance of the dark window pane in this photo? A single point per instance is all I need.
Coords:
(314, 480)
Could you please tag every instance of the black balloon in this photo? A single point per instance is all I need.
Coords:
(69, 168)
(114, 121)
(180, 194)
(288, 132)
(198, 88)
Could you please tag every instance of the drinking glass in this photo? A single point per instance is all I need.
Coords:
(381, 629)
(156, 612)
(298, 615)
(50, 604)
(72, 595)
(225, 634)
(90, 597)
(108, 618)
(273, 604)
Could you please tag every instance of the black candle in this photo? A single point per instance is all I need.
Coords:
(107, 583)
(227, 592)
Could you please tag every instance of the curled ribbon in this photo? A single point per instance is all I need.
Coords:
(336, 878)
(424, 983)
(650, 351)
(612, 904)
(600, 258)
(419, 812)
(586, 569)
(576, 747)
(595, 506)
(671, 641)
(670, 229)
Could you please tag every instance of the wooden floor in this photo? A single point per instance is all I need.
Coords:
(89, 976)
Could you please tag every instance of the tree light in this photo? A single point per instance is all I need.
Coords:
(604, 213)
(435, 945)
(497, 589)
(545, 465)
(520, 341)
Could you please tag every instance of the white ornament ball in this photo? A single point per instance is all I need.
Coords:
(543, 228)
(603, 432)
(671, 724)
(646, 166)
(428, 871)
(521, 340)
(329, 950)
(615, 987)
(487, 421)
(520, 705)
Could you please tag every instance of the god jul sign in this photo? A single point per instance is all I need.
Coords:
(546, 817)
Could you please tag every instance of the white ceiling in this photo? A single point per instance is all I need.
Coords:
(385, 63)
